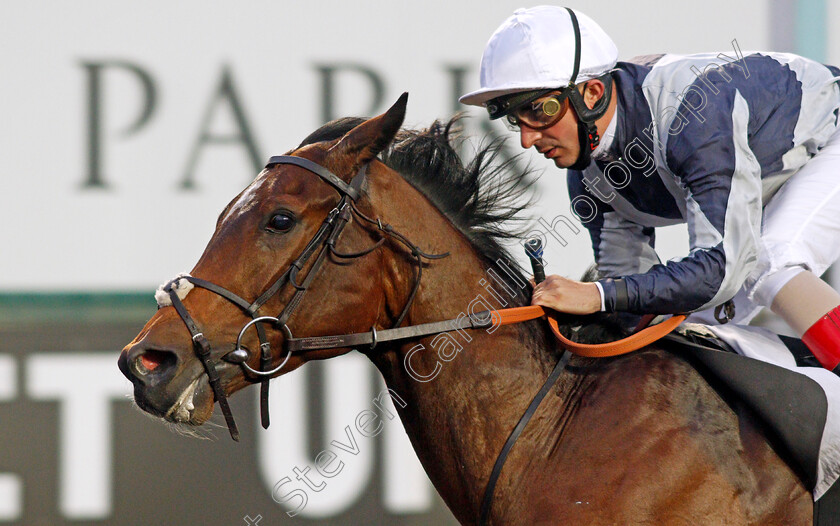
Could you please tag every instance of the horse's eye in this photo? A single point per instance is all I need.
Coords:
(281, 222)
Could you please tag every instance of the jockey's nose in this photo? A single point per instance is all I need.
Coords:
(528, 136)
(147, 365)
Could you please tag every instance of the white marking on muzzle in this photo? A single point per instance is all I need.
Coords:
(182, 288)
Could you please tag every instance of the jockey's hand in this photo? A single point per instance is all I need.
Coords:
(566, 295)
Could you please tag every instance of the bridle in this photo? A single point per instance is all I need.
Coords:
(323, 243)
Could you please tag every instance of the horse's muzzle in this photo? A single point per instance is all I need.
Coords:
(152, 372)
(148, 366)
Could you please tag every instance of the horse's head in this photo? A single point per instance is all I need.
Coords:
(269, 244)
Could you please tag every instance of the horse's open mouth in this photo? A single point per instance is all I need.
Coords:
(182, 410)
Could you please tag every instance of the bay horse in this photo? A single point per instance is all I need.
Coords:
(637, 439)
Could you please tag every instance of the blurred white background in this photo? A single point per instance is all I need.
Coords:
(125, 128)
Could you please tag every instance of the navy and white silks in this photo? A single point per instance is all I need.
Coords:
(709, 140)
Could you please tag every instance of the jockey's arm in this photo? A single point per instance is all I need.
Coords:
(713, 162)
(621, 247)
(723, 211)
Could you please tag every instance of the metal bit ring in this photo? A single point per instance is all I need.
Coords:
(273, 320)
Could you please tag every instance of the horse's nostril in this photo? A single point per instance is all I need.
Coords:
(150, 360)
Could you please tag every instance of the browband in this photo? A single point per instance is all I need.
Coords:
(349, 190)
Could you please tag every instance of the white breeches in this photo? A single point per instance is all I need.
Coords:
(800, 231)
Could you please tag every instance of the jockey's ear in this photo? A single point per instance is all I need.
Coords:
(593, 90)
(365, 141)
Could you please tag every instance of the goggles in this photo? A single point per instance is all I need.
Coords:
(541, 113)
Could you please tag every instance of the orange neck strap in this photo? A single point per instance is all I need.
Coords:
(631, 343)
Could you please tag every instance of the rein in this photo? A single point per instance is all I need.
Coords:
(324, 243)
(485, 319)
(631, 343)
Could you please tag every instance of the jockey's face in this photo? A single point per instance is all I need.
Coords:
(560, 141)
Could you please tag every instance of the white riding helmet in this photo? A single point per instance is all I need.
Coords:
(535, 49)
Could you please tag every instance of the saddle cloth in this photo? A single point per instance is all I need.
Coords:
(800, 403)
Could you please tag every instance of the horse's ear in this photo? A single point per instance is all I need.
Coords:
(365, 141)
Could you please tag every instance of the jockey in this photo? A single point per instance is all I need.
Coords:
(742, 147)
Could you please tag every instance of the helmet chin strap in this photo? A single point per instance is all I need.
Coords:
(588, 136)
(586, 133)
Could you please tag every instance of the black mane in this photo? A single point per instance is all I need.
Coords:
(482, 199)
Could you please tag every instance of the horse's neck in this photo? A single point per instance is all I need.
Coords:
(459, 410)
(460, 406)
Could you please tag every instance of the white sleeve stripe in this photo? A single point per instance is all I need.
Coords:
(741, 237)
(601, 292)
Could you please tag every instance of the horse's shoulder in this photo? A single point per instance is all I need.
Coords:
(652, 365)
(654, 378)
